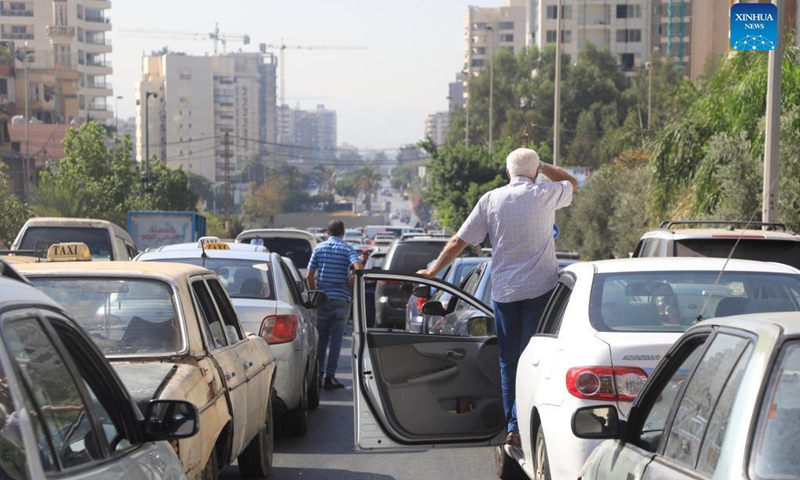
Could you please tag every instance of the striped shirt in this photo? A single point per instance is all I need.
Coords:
(519, 220)
(331, 260)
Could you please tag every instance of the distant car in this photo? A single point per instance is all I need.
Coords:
(271, 302)
(375, 261)
(286, 242)
(106, 240)
(354, 237)
(53, 375)
(171, 332)
(406, 256)
(723, 403)
(442, 318)
(383, 240)
(768, 242)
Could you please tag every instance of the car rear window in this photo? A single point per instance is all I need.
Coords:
(297, 249)
(780, 251)
(672, 301)
(124, 316)
(241, 278)
(41, 238)
(410, 257)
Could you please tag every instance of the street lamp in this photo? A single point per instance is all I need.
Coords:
(116, 114)
(649, 67)
(25, 164)
(491, 85)
(557, 92)
(147, 96)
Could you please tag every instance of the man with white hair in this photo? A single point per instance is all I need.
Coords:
(518, 218)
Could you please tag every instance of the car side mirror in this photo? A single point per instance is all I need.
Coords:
(434, 308)
(480, 327)
(301, 285)
(170, 420)
(597, 422)
(316, 299)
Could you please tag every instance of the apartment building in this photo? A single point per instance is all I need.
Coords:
(193, 102)
(436, 126)
(62, 37)
(488, 30)
(307, 134)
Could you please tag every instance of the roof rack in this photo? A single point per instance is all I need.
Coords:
(729, 223)
(8, 272)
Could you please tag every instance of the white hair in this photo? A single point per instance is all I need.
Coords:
(523, 162)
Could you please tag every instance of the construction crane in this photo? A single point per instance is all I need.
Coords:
(263, 47)
(217, 37)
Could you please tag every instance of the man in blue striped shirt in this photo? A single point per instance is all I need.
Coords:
(329, 270)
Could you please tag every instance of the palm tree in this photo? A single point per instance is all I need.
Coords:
(327, 178)
(368, 182)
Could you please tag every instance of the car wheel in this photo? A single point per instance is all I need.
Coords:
(211, 470)
(540, 458)
(506, 467)
(295, 423)
(313, 389)
(256, 459)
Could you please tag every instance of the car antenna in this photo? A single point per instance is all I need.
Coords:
(724, 265)
(203, 253)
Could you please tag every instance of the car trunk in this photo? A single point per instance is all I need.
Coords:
(639, 350)
(251, 312)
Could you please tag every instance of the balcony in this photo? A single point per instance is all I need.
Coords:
(97, 19)
(98, 85)
(16, 13)
(16, 36)
(91, 62)
(96, 41)
(60, 31)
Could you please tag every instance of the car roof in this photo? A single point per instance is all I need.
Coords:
(194, 246)
(16, 290)
(788, 322)
(75, 222)
(648, 264)
(197, 253)
(276, 233)
(425, 239)
(143, 269)
(687, 233)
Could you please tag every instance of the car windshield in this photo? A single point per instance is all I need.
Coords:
(775, 450)
(780, 251)
(374, 261)
(40, 239)
(672, 301)
(241, 278)
(124, 316)
(297, 249)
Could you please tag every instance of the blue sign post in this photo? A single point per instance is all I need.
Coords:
(754, 26)
(556, 231)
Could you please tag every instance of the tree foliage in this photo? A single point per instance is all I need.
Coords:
(261, 206)
(13, 211)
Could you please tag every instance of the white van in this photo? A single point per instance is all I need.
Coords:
(106, 240)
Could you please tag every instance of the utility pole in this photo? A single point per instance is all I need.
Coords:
(491, 88)
(649, 67)
(147, 96)
(227, 157)
(557, 102)
(25, 164)
(773, 128)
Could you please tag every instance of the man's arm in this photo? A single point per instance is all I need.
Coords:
(311, 279)
(558, 174)
(450, 252)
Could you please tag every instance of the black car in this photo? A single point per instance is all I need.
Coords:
(406, 256)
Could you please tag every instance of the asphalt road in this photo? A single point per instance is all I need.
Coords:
(327, 450)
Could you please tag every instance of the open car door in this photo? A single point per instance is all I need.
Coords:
(436, 388)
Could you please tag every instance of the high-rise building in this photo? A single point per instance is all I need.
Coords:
(490, 29)
(195, 103)
(307, 134)
(436, 126)
(62, 37)
(455, 92)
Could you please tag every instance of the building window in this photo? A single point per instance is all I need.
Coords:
(551, 12)
(626, 61)
(629, 11)
(506, 25)
(566, 36)
(506, 37)
(629, 35)
(479, 50)
(185, 76)
(3, 86)
(476, 62)
(479, 26)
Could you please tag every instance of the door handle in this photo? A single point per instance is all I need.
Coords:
(535, 362)
(230, 375)
(247, 365)
(456, 354)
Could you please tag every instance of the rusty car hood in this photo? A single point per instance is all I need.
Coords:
(144, 380)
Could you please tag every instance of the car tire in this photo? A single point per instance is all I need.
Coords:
(541, 462)
(313, 389)
(506, 467)
(295, 422)
(211, 470)
(256, 459)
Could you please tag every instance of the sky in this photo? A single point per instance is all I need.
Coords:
(414, 48)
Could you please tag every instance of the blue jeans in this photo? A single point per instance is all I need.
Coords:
(516, 322)
(331, 319)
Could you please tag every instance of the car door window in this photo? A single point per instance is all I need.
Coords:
(60, 418)
(209, 316)
(233, 330)
(702, 395)
(550, 322)
(469, 284)
(13, 460)
(295, 293)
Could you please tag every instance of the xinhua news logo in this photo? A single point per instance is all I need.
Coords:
(754, 26)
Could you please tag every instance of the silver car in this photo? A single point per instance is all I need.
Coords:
(63, 410)
(271, 302)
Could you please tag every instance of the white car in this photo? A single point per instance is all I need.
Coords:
(270, 302)
(286, 242)
(605, 328)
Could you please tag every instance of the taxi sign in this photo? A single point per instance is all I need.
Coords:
(216, 246)
(206, 240)
(69, 252)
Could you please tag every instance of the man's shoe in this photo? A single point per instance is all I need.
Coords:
(513, 440)
(333, 384)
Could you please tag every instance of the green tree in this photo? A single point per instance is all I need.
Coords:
(368, 182)
(13, 212)
(263, 203)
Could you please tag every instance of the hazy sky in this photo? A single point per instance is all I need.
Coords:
(381, 95)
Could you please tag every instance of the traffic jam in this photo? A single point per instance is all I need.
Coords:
(682, 361)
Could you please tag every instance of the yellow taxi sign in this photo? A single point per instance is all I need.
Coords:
(69, 252)
(206, 240)
(217, 246)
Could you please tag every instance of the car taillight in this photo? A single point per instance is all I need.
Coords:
(606, 383)
(279, 328)
(421, 301)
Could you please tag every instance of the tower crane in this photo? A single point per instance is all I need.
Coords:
(282, 47)
(216, 36)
